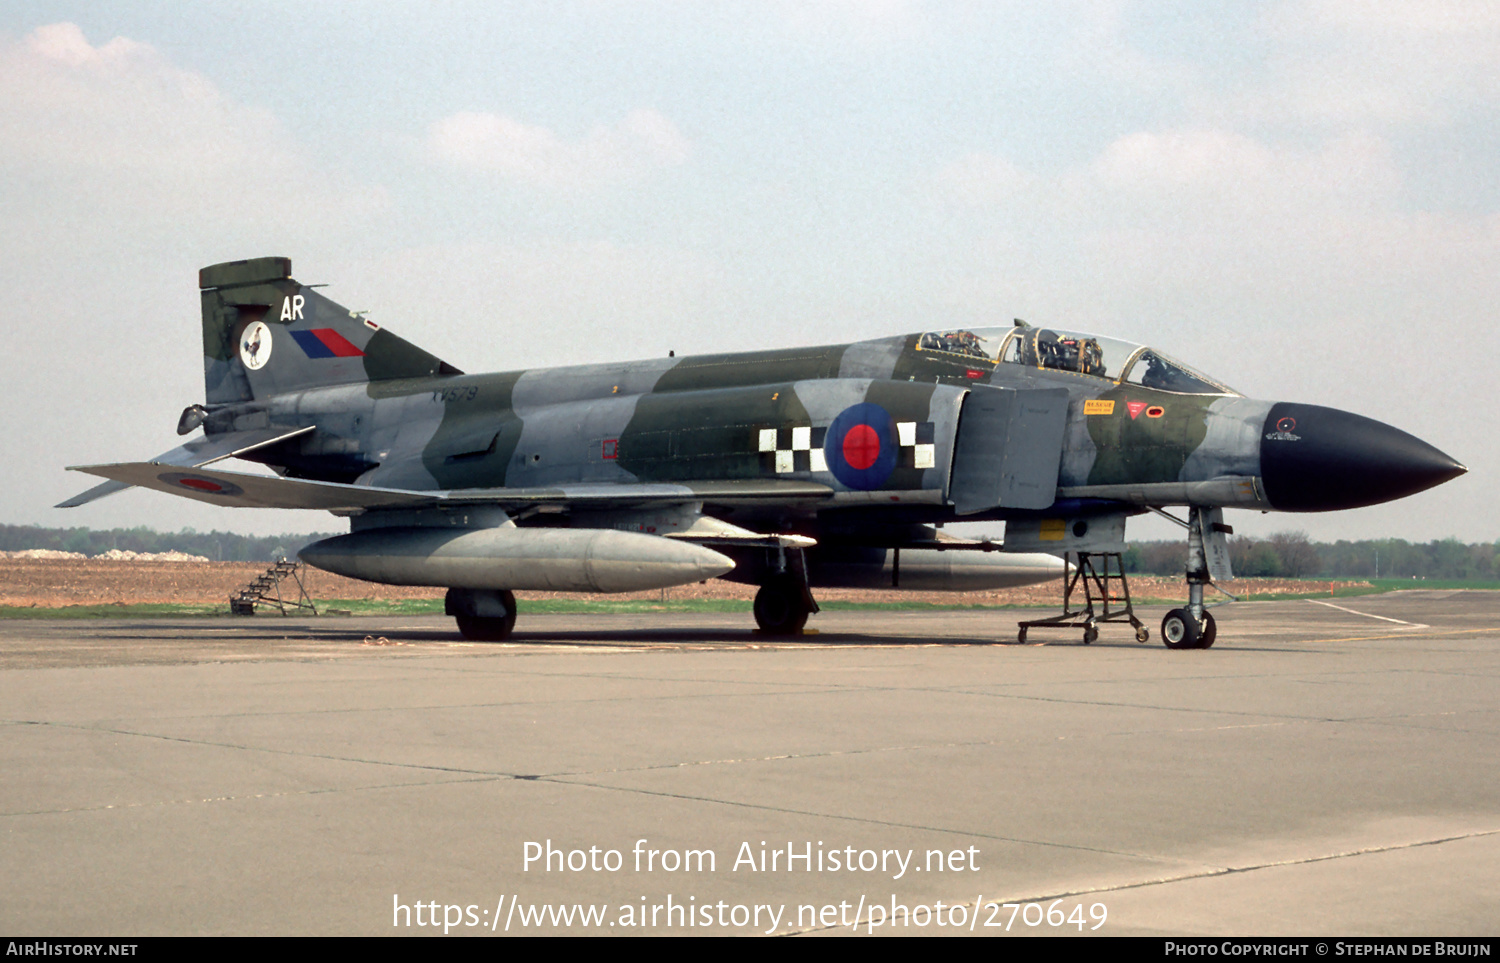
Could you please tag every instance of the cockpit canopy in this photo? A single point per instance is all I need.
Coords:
(1089, 355)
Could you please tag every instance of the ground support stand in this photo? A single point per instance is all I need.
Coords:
(1093, 570)
(266, 590)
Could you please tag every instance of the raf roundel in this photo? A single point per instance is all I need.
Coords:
(202, 484)
(861, 446)
(255, 345)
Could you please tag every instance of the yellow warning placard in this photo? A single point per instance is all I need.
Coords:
(1099, 406)
(1053, 529)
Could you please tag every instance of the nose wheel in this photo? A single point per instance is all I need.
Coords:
(1179, 630)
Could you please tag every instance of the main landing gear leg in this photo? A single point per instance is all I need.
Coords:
(483, 615)
(785, 599)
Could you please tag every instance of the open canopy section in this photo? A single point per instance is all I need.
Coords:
(1090, 355)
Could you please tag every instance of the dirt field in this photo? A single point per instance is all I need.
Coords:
(51, 583)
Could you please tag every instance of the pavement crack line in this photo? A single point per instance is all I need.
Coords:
(981, 902)
(778, 757)
(866, 820)
(1272, 864)
(319, 791)
(916, 747)
(428, 767)
(1283, 717)
(810, 689)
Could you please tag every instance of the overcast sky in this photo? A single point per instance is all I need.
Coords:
(1300, 198)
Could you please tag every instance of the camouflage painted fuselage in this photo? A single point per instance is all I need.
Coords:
(928, 427)
(875, 421)
(792, 469)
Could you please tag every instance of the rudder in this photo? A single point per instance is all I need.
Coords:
(265, 334)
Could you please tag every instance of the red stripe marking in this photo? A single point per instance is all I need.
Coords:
(337, 343)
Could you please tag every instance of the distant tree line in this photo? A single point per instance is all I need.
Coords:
(1283, 555)
(217, 546)
(1294, 555)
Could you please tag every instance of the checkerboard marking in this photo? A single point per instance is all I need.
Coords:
(788, 450)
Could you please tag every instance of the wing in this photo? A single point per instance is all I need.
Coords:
(268, 491)
(194, 454)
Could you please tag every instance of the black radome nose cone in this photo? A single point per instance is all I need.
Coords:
(1316, 459)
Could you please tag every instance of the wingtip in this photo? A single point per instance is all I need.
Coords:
(98, 491)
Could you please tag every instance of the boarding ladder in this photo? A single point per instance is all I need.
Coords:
(266, 590)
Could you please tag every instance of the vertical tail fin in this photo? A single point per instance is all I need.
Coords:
(265, 334)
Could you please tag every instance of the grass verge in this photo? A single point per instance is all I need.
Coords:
(351, 607)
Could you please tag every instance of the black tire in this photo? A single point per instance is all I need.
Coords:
(1179, 630)
(477, 629)
(1142, 633)
(780, 607)
(1209, 630)
(484, 628)
(1090, 634)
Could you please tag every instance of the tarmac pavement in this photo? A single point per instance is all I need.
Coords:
(1325, 769)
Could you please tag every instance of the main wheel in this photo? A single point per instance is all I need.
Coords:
(479, 629)
(483, 615)
(1209, 630)
(1179, 630)
(781, 607)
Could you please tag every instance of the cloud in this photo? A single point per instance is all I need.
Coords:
(979, 179)
(1215, 210)
(1190, 180)
(118, 131)
(870, 22)
(1381, 62)
(642, 142)
(1225, 171)
(552, 302)
(1195, 219)
(123, 173)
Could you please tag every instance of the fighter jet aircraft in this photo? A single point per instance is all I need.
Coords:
(791, 469)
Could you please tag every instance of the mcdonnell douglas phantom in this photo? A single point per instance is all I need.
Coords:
(790, 469)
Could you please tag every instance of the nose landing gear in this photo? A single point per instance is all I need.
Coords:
(1179, 630)
(1193, 627)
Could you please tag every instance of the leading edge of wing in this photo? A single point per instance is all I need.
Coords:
(242, 490)
(196, 453)
(268, 491)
